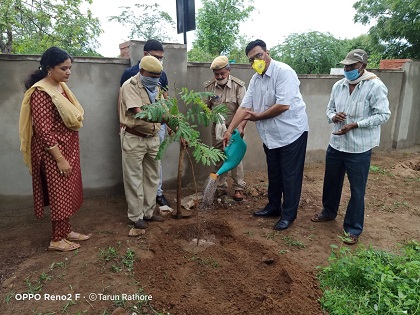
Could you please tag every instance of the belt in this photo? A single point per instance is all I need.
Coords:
(136, 133)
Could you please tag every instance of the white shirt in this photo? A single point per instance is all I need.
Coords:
(278, 85)
(368, 106)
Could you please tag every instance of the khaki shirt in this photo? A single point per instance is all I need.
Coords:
(133, 94)
(231, 95)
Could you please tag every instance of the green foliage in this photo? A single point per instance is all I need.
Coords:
(397, 25)
(197, 54)
(30, 27)
(236, 53)
(310, 53)
(377, 169)
(108, 254)
(117, 261)
(218, 24)
(372, 281)
(209, 261)
(291, 242)
(35, 286)
(146, 21)
(184, 125)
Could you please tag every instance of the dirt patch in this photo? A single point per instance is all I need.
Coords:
(220, 261)
(235, 275)
(408, 169)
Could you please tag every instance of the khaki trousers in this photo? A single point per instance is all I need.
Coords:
(140, 174)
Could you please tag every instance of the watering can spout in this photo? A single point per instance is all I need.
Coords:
(234, 152)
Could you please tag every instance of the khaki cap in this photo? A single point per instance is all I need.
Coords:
(151, 64)
(356, 55)
(219, 63)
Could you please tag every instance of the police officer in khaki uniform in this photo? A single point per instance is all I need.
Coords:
(230, 91)
(140, 142)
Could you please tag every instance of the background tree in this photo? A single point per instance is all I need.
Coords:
(397, 25)
(197, 54)
(30, 27)
(218, 24)
(146, 21)
(310, 53)
(237, 52)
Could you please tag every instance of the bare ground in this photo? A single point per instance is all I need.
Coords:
(243, 267)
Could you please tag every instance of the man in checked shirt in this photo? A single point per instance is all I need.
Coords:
(358, 107)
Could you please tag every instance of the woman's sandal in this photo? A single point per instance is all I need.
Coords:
(320, 217)
(63, 246)
(75, 236)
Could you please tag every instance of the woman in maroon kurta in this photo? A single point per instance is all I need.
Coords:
(54, 145)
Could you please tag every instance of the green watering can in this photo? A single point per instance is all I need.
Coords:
(234, 152)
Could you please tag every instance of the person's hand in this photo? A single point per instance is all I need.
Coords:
(241, 131)
(226, 138)
(64, 167)
(165, 119)
(184, 142)
(252, 116)
(339, 117)
(345, 129)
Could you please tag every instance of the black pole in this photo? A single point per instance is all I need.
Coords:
(185, 20)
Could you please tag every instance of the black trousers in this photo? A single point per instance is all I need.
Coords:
(285, 174)
(356, 165)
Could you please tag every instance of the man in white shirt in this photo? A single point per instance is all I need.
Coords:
(358, 106)
(273, 100)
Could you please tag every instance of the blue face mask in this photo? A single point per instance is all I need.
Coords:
(352, 75)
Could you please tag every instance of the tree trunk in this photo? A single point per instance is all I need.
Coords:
(179, 181)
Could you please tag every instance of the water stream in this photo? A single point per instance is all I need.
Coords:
(209, 191)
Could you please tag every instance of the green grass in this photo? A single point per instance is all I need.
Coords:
(291, 242)
(371, 281)
(114, 259)
(379, 170)
(249, 233)
(271, 235)
(111, 257)
(108, 254)
(209, 261)
(35, 286)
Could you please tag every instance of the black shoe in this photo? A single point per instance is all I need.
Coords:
(162, 201)
(140, 224)
(282, 225)
(267, 213)
(154, 218)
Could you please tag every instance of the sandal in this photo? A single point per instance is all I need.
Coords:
(63, 246)
(321, 217)
(238, 196)
(350, 239)
(75, 236)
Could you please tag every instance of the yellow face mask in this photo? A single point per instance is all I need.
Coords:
(258, 66)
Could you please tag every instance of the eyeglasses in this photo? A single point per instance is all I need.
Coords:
(257, 56)
(156, 56)
(352, 66)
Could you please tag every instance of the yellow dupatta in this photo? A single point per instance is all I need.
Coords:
(70, 111)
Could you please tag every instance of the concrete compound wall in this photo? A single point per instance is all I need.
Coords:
(95, 82)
